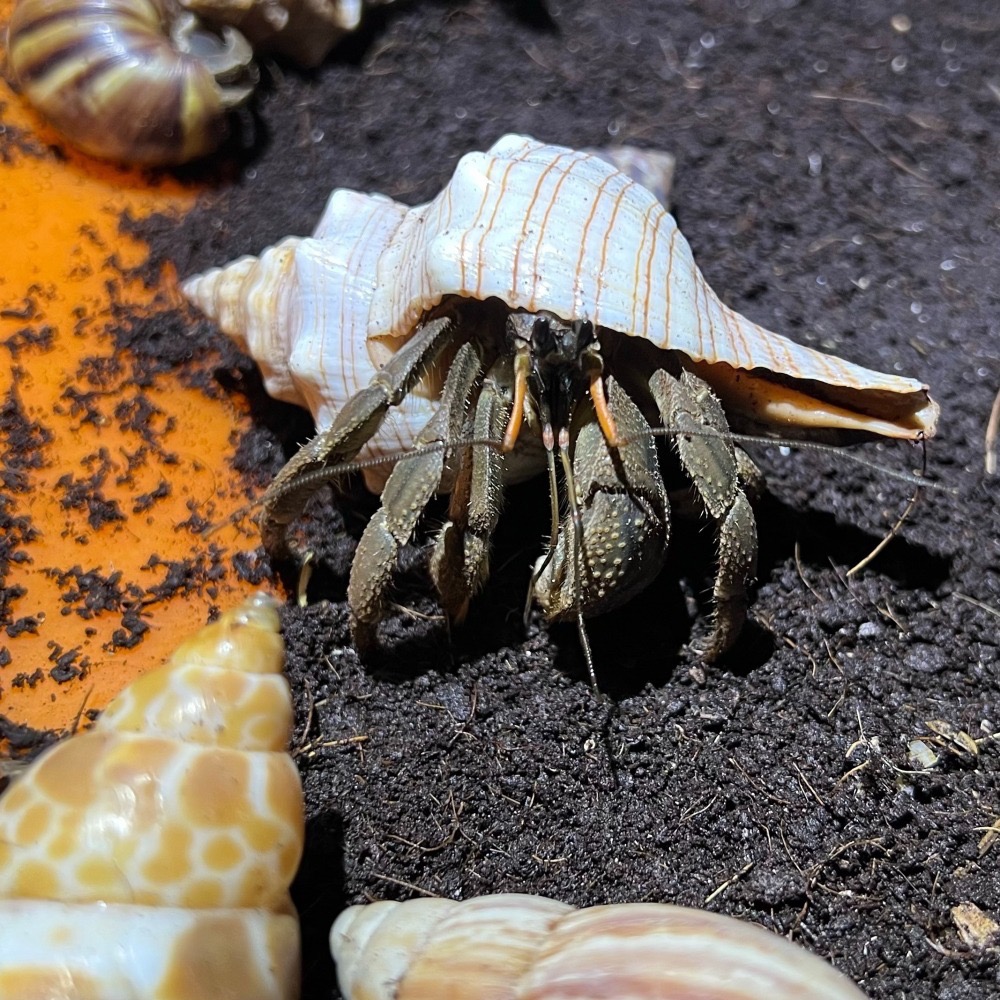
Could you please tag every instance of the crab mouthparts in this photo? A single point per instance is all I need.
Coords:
(556, 357)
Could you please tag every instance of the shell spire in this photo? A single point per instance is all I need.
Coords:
(518, 947)
(173, 829)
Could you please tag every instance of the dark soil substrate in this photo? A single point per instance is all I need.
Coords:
(837, 177)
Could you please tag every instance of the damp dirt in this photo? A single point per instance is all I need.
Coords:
(837, 178)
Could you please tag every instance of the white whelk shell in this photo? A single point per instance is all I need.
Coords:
(150, 857)
(518, 947)
(540, 227)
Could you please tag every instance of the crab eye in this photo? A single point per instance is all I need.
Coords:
(542, 340)
(585, 335)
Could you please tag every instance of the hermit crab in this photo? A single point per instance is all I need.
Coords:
(152, 81)
(151, 856)
(532, 948)
(543, 311)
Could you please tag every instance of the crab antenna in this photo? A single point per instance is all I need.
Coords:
(818, 446)
(548, 439)
(577, 522)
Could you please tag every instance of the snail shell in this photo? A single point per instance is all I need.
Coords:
(540, 227)
(150, 857)
(517, 947)
(129, 80)
(152, 81)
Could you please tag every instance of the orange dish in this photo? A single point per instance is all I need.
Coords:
(108, 478)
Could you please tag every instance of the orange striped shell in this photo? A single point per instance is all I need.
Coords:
(518, 947)
(541, 227)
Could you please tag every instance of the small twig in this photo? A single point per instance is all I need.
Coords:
(406, 885)
(989, 838)
(818, 95)
(802, 576)
(729, 881)
(893, 531)
(805, 781)
(893, 159)
(79, 714)
(979, 604)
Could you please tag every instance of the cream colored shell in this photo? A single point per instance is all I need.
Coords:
(517, 947)
(541, 227)
(303, 30)
(151, 856)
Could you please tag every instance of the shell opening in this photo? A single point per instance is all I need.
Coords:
(770, 400)
(226, 54)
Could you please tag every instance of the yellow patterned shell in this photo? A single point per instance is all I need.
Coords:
(517, 947)
(173, 828)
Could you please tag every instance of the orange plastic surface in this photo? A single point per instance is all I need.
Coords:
(60, 212)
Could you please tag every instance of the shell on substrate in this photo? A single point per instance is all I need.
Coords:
(152, 82)
(303, 30)
(151, 856)
(540, 227)
(519, 947)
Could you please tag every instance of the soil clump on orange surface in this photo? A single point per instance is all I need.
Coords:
(837, 178)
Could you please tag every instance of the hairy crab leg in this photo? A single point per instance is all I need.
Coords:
(460, 560)
(413, 481)
(689, 408)
(624, 513)
(316, 463)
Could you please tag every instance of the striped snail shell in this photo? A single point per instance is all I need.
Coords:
(517, 947)
(150, 857)
(138, 81)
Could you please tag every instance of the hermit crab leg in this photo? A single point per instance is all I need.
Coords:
(700, 433)
(357, 421)
(460, 560)
(413, 481)
(574, 519)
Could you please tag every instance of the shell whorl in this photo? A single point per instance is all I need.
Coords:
(114, 76)
(517, 947)
(173, 828)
